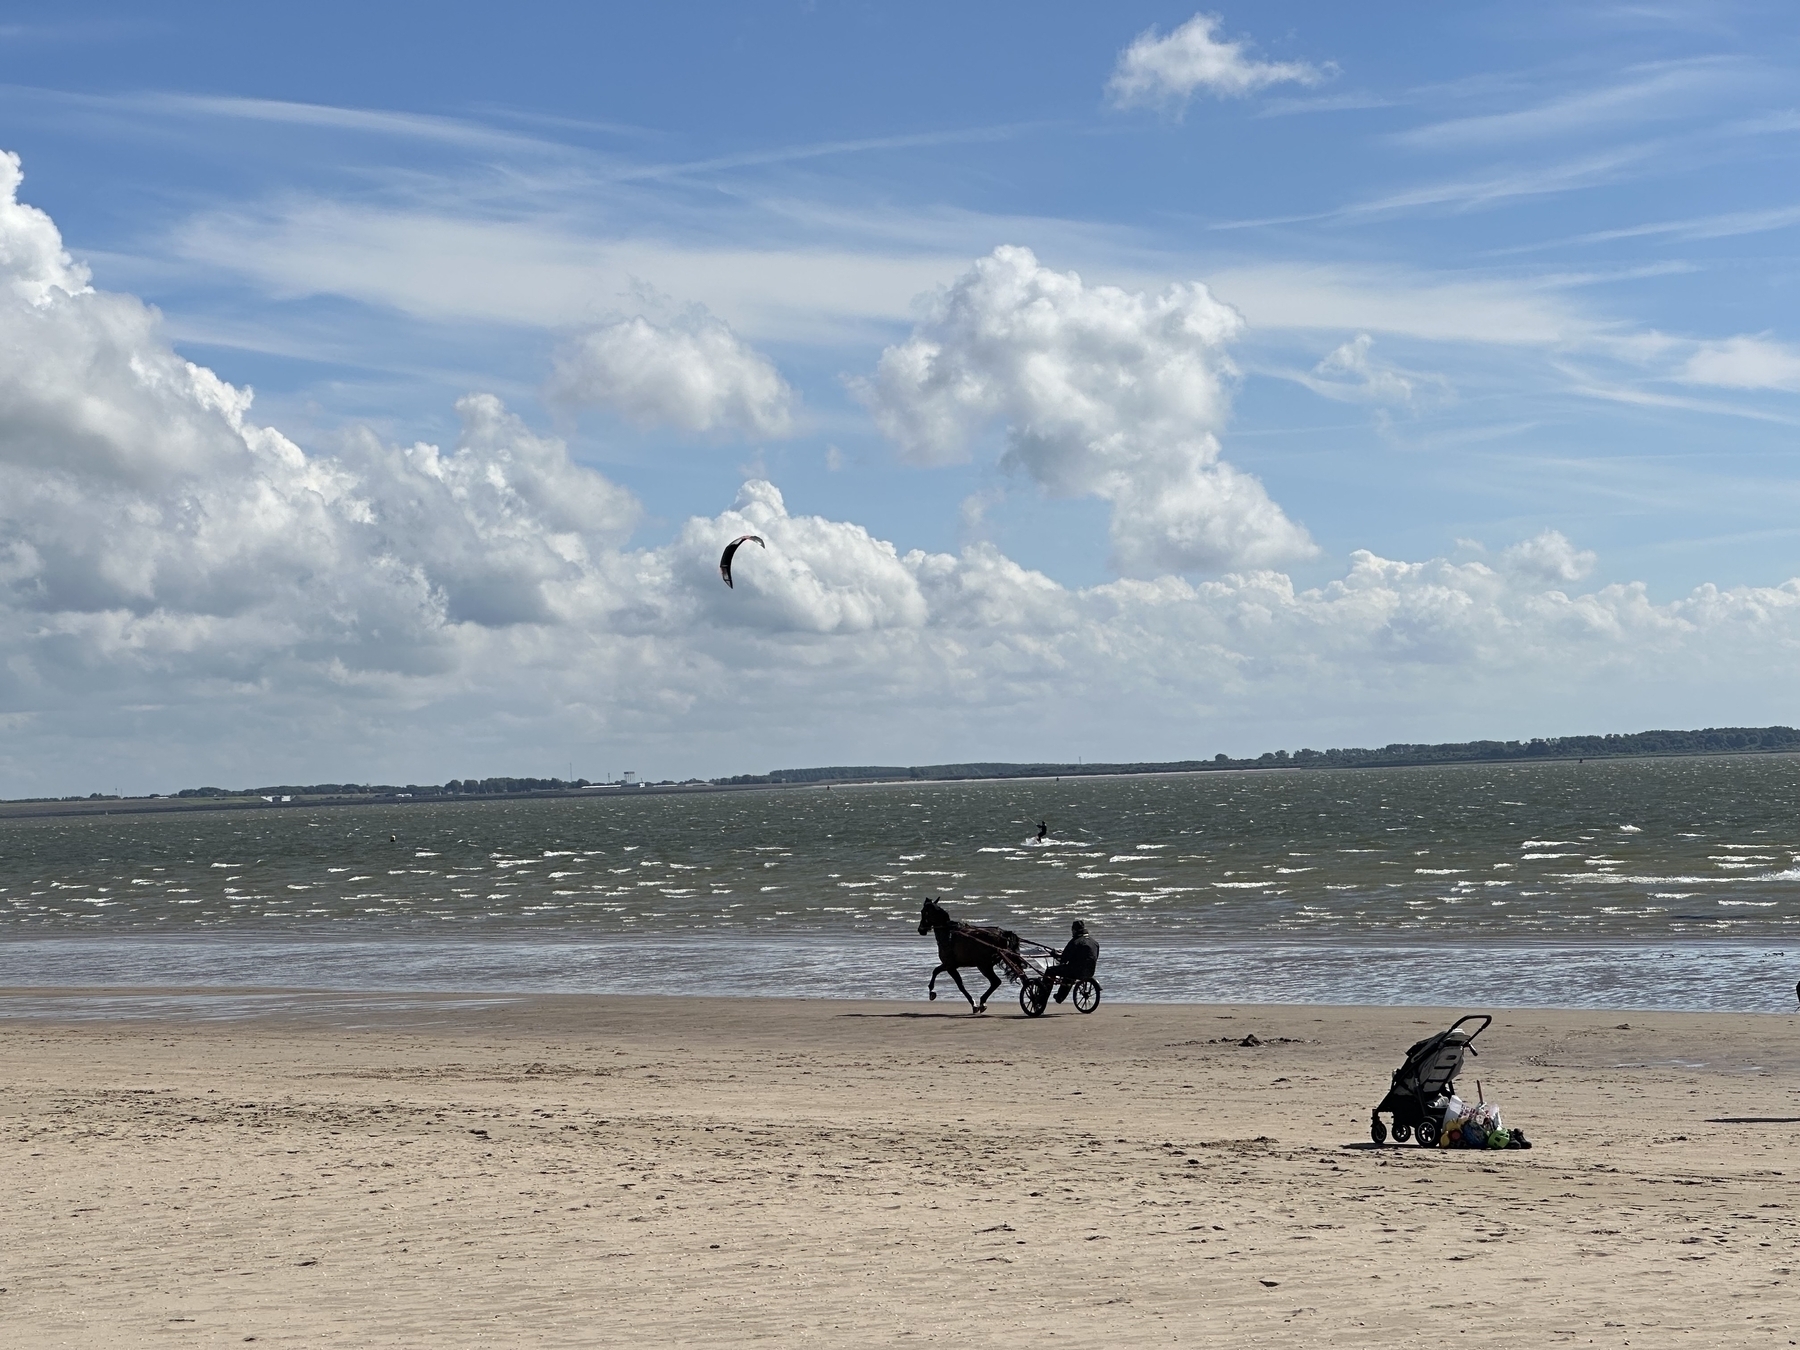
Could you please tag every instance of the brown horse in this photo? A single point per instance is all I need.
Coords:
(967, 944)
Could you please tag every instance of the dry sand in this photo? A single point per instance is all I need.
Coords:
(609, 1171)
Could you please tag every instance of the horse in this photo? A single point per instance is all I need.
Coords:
(966, 944)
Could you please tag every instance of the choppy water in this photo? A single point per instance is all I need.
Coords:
(1645, 883)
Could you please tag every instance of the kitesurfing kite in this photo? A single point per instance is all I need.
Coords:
(731, 552)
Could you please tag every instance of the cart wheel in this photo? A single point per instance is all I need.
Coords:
(1402, 1132)
(1377, 1131)
(1087, 996)
(1034, 997)
(1428, 1133)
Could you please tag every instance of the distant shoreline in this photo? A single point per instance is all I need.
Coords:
(161, 805)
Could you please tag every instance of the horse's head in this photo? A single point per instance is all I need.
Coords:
(931, 916)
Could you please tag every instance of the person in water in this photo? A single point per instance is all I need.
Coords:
(1043, 831)
(1078, 961)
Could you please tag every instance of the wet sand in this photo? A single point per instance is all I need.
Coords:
(370, 1171)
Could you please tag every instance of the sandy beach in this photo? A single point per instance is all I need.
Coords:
(370, 1170)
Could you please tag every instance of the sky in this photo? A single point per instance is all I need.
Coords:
(379, 384)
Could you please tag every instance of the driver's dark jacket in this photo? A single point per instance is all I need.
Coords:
(1079, 958)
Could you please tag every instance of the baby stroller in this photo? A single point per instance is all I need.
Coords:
(1421, 1085)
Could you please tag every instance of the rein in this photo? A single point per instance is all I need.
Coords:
(968, 932)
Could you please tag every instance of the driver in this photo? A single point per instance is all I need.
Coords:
(1077, 962)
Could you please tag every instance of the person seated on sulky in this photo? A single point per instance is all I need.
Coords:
(1078, 961)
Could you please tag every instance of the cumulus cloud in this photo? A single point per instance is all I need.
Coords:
(1156, 69)
(694, 373)
(1103, 393)
(187, 595)
(1745, 363)
(152, 531)
(32, 258)
(1549, 557)
(815, 576)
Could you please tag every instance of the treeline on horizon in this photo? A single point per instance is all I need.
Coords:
(1713, 740)
(456, 787)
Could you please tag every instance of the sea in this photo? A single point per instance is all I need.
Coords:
(1629, 884)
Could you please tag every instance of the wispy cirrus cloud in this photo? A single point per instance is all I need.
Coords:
(1725, 225)
(540, 271)
(790, 154)
(76, 31)
(1588, 384)
(1324, 103)
(1350, 373)
(1433, 307)
(481, 137)
(1471, 193)
(1663, 93)
(1745, 362)
(461, 133)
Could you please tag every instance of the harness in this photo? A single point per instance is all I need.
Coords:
(972, 933)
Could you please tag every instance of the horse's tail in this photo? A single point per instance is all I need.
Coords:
(1010, 958)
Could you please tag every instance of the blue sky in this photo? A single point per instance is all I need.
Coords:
(1504, 272)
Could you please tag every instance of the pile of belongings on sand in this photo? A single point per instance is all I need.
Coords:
(1477, 1126)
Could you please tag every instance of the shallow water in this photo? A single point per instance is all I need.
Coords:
(1636, 883)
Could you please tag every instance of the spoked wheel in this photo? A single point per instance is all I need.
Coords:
(1402, 1132)
(1087, 996)
(1034, 997)
(1377, 1131)
(1427, 1133)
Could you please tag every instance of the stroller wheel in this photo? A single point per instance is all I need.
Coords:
(1402, 1132)
(1377, 1131)
(1428, 1133)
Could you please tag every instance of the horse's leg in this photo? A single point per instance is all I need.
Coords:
(956, 974)
(993, 984)
(931, 984)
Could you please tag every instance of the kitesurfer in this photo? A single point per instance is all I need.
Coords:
(1043, 831)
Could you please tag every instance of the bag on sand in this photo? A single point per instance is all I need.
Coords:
(1477, 1126)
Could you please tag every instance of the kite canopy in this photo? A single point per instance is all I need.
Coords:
(731, 551)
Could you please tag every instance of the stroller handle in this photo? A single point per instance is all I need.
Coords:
(1483, 1018)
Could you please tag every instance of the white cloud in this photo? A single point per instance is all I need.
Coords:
(32, 259)
(1510, 184)
(817, 575)
(1401, 302)
(187, 596)
(1156, 69)
(368, 121)
(1665, 93)
(1549, 557)
(1349, 374)
(694, 373)
(140, 501)
(1103, 392)
(823, 276)
(1744, 363)
(440, 265)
